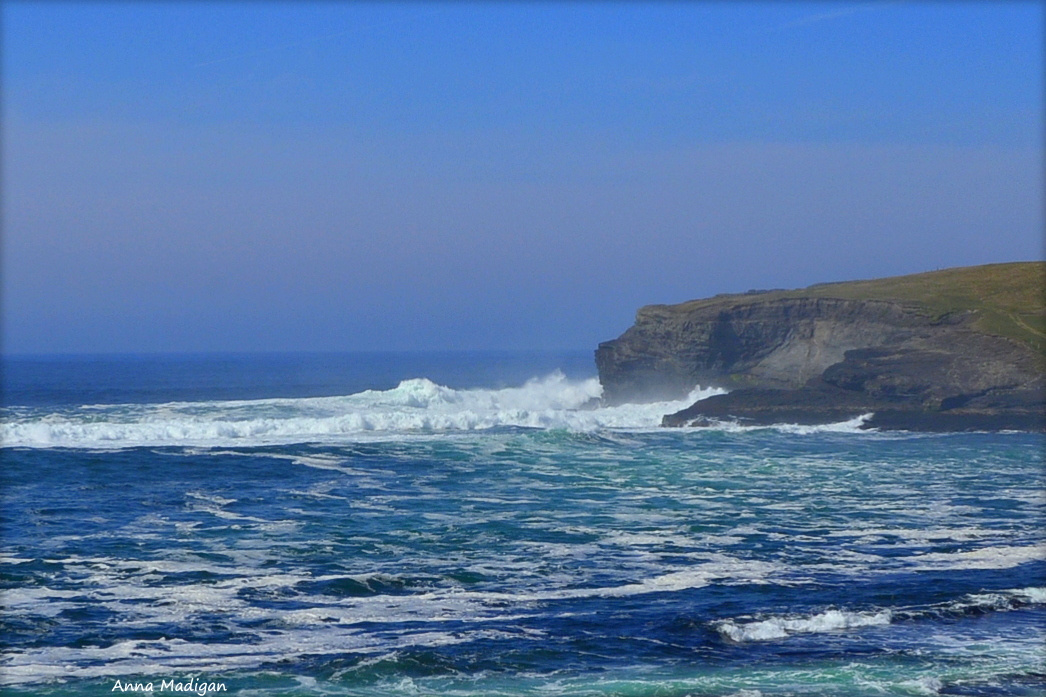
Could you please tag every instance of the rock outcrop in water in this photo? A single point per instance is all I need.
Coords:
(958, 349)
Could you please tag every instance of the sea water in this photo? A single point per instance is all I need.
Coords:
(477, 524)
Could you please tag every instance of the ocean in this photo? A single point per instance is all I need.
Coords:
(477, 524)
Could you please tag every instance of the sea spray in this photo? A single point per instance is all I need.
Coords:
(414, 406)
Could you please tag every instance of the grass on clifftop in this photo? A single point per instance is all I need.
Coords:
(1009, 299)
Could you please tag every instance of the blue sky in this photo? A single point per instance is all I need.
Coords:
(231, 176)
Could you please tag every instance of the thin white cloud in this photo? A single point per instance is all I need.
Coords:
(835, 14)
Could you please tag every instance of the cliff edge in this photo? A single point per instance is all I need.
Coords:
(956, 349)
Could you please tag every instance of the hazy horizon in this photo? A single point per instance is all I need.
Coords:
(261, 353)
(347, 177)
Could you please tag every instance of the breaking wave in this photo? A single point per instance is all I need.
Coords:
(781, 627)
(853, 425)
(414, 406)
(833, 620)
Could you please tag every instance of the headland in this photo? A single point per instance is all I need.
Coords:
(951, 350)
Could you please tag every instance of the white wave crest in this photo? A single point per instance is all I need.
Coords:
(854, 425)
(1036, 595)
(838, 620)
(414, 406)
(1001, 600)
(782, 627)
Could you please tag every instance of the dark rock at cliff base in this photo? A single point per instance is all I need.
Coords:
(824, 405)
(953, 350)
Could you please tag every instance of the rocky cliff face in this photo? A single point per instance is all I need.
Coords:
(813, 358)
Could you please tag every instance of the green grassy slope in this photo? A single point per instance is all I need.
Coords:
(1008, 299)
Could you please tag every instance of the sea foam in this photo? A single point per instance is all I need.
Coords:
(781, 627)
(414, 406)
(834, 620)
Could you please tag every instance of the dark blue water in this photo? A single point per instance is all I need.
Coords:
(393, 529)
(137, 379)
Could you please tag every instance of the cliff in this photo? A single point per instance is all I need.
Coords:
(956, 349)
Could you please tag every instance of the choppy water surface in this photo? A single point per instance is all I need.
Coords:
(425, 539)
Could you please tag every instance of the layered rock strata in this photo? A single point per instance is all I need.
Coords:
(826, 354)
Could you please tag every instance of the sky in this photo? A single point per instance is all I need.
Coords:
(335, 176)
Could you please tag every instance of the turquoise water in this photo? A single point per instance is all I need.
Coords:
(476, 533)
